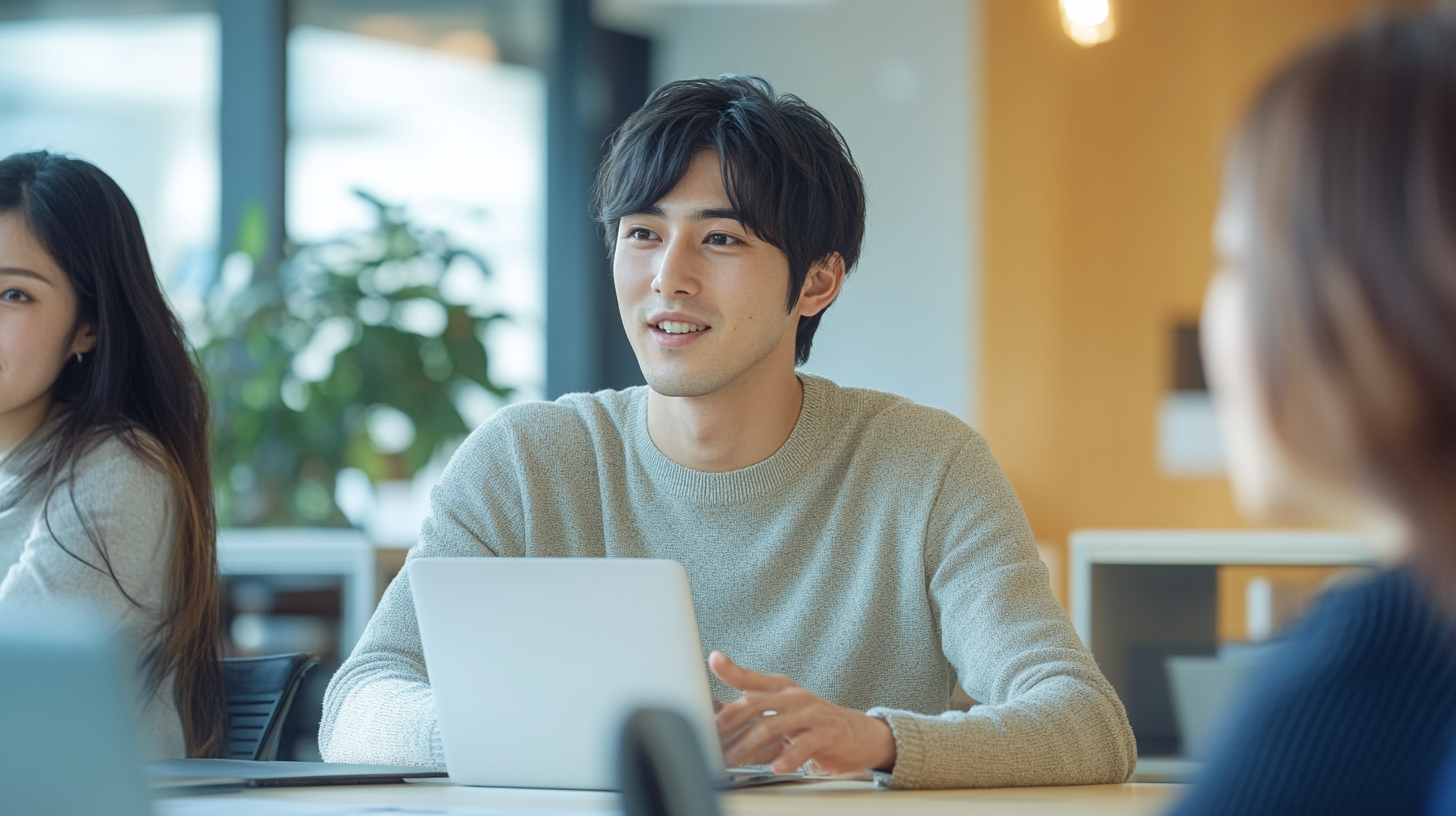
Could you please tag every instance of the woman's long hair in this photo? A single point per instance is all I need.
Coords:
(140, 385)
(1345, 173)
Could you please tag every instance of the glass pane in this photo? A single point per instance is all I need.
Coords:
(438, 108)
(135, 94)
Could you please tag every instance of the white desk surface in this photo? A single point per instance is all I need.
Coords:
(808, 799)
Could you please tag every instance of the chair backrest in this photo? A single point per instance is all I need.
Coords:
(662, 771)
(260, 691)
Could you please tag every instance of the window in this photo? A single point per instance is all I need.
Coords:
(136, 95)
(438, 107)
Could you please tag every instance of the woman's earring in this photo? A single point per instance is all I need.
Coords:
(78, 357)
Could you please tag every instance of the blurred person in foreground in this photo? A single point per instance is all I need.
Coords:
(1330, 339)
(105, 487)
(850, 551)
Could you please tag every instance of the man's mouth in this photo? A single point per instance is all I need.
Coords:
(676, 327)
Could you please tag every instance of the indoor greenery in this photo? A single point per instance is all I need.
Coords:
(350, 356)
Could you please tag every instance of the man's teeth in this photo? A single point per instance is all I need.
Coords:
(674, 327)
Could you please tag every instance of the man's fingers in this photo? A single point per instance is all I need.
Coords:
(745, 679)
(755, 751)
(799, 751)
(769, 753)
(746, 747)
(738, 714)
(765, 732)
(800, 723)
(743, 711)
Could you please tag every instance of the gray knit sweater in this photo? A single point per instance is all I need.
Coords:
(127, 505)
(878, 550)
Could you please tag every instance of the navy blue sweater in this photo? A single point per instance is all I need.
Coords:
(1354, 715)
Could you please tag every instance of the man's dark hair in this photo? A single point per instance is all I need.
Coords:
(787, 171)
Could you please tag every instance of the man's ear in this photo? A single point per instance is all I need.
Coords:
(84, 340)
(821, 285)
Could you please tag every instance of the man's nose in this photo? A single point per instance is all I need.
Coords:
(677, 272)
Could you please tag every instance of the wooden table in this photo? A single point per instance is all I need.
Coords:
(863, 798)
(808, 799)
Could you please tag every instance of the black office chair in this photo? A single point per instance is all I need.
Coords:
(260, 691)
(662, 771)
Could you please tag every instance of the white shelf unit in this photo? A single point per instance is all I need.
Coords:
(288, 551)
(1207, 547)
(1141, 596)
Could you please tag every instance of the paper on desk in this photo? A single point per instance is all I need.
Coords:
(247, 806)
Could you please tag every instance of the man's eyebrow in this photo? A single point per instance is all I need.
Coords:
(16, 271)
(725, 213)
(698, 215)
(651, 209)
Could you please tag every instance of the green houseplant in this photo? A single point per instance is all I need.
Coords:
(351, 356)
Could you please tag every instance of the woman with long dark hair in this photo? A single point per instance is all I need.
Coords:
(105, 485)
(1330, 338)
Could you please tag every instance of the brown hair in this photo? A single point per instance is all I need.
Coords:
(1346, 172)
(139, 385)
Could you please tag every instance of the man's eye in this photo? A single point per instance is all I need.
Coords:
(640, 234)
(719, 239)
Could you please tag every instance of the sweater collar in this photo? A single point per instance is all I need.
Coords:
(774, 474)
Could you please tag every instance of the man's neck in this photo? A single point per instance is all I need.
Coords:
(732, 428)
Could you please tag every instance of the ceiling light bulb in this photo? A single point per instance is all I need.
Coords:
(1088, 22)
(1086, 12)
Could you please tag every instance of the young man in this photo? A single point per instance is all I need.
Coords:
(847, 549)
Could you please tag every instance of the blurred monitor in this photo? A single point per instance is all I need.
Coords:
(68, 743)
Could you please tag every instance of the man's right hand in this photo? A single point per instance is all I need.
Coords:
(776, 721)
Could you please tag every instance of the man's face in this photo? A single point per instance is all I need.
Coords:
(702, 298)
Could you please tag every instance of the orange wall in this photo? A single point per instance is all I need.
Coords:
(1101, 179)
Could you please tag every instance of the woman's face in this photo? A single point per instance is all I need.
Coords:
(1267, 485)
(38, 331)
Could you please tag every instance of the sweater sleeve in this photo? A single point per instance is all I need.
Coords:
(1046, 714)
(379, 708)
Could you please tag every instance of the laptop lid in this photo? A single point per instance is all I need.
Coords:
(536, 663)
(68, 743)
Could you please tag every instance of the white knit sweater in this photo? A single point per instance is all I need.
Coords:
(127, 505)
(877, 550)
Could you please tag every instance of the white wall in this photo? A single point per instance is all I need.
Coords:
(899, 80)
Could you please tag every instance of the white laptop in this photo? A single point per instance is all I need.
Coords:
(536, 663)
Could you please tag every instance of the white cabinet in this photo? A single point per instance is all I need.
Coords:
(344, 553)
(1142, 596)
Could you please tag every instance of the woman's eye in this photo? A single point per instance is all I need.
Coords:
(14, 296)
